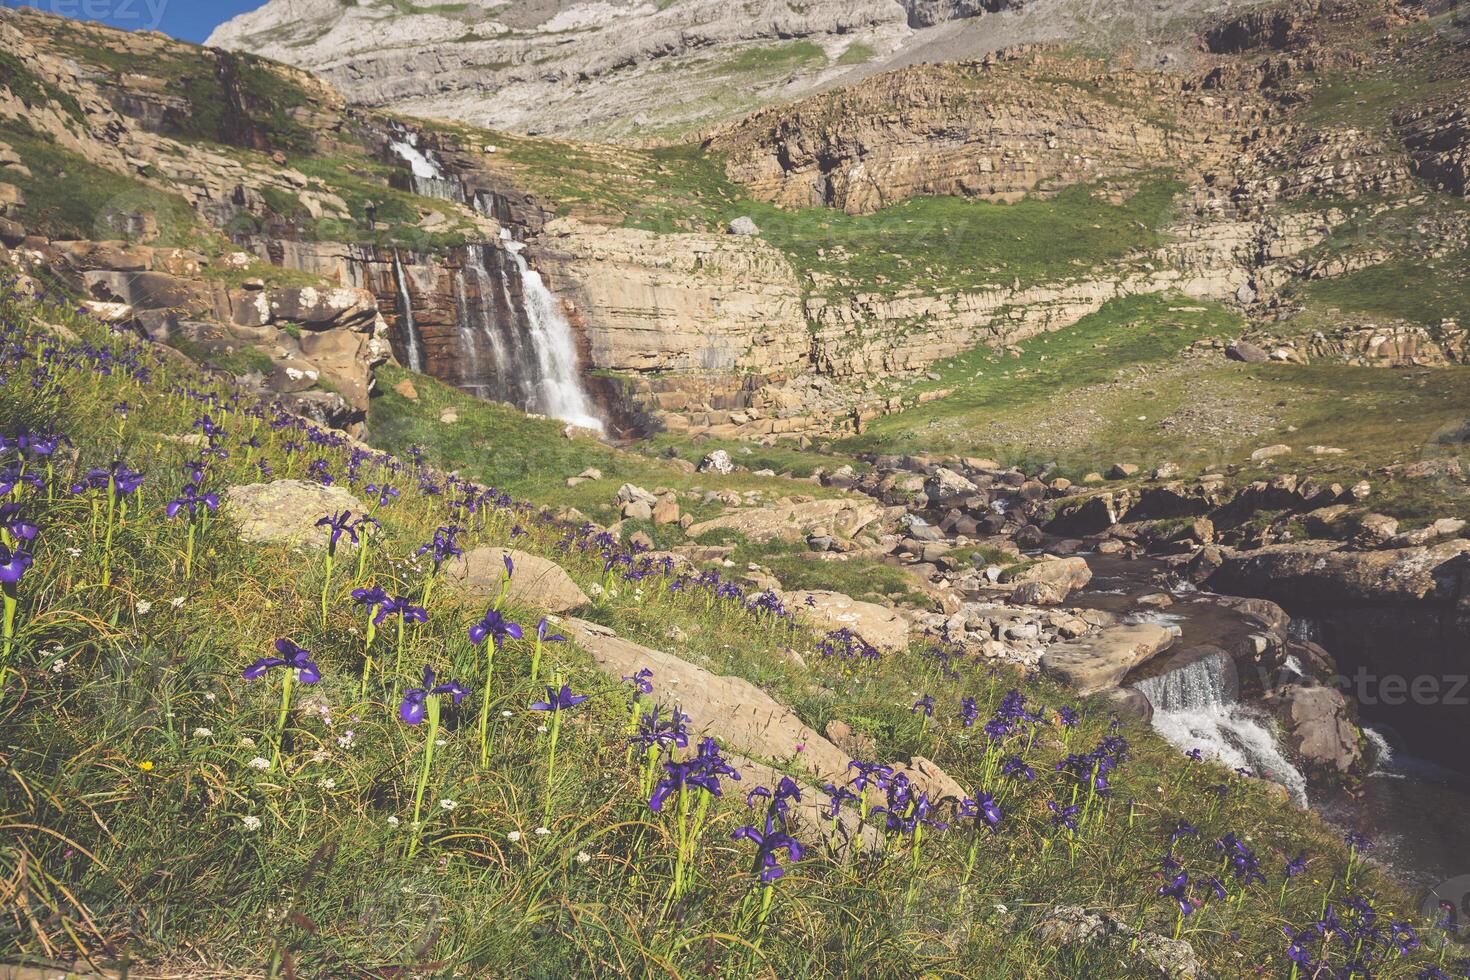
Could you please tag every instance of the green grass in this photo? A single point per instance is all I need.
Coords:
(529, 457)
(992, 385)
(1423, 291)
(69, 197)
(1101, 391)
(856, 53)
(138, 826)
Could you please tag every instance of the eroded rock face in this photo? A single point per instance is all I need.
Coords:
(683, 302)
(1319, 724)
(592, 68)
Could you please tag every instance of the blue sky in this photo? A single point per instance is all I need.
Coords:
(191, 20)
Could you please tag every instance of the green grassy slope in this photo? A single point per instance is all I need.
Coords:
(137, 825)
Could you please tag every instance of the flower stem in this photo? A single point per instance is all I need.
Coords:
(281, 718)
(485, 705)
(7, 631)
(432, 704)
(326, 585)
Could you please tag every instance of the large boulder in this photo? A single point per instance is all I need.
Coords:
(1320, 728)
(880, 626)
(742, 716)
(536, 582)
(1066, 575)
(286, 512)
(791, 522)
(718, 461)
(1101, 660)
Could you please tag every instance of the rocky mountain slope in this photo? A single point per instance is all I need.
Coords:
(631, 68)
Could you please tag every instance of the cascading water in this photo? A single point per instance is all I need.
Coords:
(1196, 706)
(558, 387)
(428, 178)
(411, 342)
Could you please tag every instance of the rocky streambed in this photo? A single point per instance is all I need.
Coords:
(1327, 666)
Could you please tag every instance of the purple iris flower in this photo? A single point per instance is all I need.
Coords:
(1177, 888)
(767, 842)
(386, 493)
(338, 525)
(870, 774)
(654, 731)
(544, 634)
(925, 704)
(969, 711)
(402, 607)
(510, 566)
(13, 524)
(1016, 768)
(1068, 717)
(1063, 816)
(371, 596)
(191, 499)
(442, 545)
(559, 700)
(495, 626)
(412, 708)
(13, 564)
(703, 771)
(1296, 866)
(983, 809)
(640, 680)
(291, 656)
(835, 798)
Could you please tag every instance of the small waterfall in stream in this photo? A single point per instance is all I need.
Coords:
(1196, 706)
(405, 314)
(428, 178)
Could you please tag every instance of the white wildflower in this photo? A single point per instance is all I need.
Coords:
(203, 732)
(251, 822)
(392, 821)
(328, 783)
(542, 831)
(514, 836)
(259, 762)
(583, 857)
(507, 714)
(447, 804)
(346, 739)
(176, 601)
(247, 741)
(143, 607)
(59, 666)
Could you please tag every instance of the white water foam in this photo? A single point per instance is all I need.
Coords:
(405, 315)
(1195, 707)
(559, 391)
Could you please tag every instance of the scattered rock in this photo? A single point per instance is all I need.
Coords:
(286, 512)
(1319, 726)
(1067, 574)
(1101, 660)
(789, 522)
(882, 627)
(1038, 594)
(407, 390)
(718, 461)
(1270, 452)
(745, 226)
(1244, 350)
(1121, 471)
(537, 582)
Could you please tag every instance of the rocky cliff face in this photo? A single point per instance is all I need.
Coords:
(595, 68)
(1028, 121)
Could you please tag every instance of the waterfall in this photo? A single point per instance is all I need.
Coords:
(1196, 706)
(405, 317)
(557, 387)
(427, 177)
